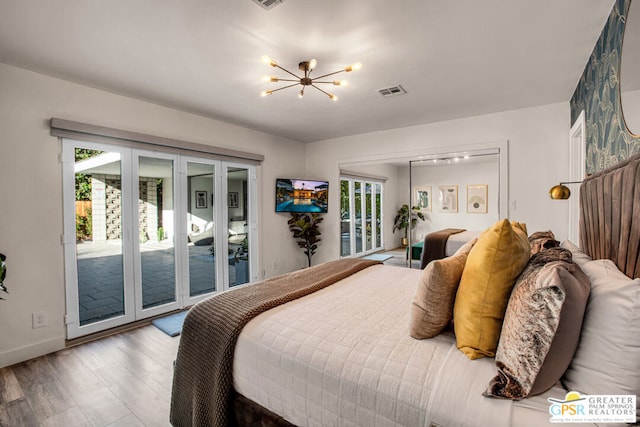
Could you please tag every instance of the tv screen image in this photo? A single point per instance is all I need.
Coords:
(300, 195)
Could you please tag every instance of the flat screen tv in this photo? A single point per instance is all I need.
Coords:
(301, 195)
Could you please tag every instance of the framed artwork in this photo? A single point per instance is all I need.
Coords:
(201, 199)
(477, 198)
(449, 198)
(422, 198)
(233, 199)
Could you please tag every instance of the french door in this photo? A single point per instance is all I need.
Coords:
(146, 233)
(360, 217)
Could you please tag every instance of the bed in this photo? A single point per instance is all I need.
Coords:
(330, 345)
(443, 243)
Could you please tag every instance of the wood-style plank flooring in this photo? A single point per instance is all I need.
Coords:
(120, 380)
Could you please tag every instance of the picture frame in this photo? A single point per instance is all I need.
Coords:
(201, 199)
(233, 199)
(422, 198)
(477, 198)
(448, 198)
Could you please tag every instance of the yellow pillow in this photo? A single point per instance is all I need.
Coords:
(491, 270)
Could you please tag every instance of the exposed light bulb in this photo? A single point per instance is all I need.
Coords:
(466, 157)
(312, 64)
(333, 97)
(269, 61)
(353, 67)
(340, 82)
(301, 94)
(266, 92)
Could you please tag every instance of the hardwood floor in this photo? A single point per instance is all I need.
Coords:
(120, 380)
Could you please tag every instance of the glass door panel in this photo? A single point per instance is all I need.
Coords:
(156, 231)
(358, 215)
(201, 207)
(378, 215)
(345, 218)
(238, 225)
(99, 251)
(368, 211)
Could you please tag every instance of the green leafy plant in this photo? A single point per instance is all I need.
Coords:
(3, 273)
(304, 227)
(242, 253)
(406, 218)
(84, 226)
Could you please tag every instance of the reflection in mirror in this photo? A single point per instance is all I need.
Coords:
(630, 70)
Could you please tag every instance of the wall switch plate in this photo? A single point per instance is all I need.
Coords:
(39, 319)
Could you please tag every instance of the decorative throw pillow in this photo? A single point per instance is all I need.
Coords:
(607, 360)
(492, 267)
(432, 307)
(541, 326)
(579, 257)
(541, 240)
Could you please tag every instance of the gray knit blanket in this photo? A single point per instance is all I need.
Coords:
(202, 379)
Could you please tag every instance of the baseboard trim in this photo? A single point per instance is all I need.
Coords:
(21, 354)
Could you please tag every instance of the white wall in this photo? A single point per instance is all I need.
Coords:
(31, 191)
(538, 159)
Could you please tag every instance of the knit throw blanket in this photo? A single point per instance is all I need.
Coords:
(202, 379)
(435, 245)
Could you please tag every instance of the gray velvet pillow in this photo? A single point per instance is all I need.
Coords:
(432, 307)
(541, 326)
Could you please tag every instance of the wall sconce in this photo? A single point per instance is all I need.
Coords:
(561, 191)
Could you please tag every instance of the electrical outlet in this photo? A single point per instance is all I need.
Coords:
(39, 319)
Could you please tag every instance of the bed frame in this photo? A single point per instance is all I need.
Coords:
(610, 215)
(609, 229)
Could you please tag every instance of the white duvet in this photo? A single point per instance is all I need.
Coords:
(343, 357)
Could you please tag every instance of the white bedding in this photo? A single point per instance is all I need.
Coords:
(343, 356)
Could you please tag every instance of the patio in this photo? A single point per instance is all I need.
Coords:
(100, 277)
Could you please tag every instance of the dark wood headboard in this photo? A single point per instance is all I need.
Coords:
(610, 215)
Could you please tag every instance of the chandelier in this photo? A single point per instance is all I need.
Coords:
(307, 80)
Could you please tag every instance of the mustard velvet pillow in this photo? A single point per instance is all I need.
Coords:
(493, 265)
(432, 307)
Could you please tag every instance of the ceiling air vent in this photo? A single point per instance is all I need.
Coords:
(392, 91)
(268, 4)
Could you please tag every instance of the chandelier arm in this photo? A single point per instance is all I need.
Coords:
(326, 93)
(288, 80)
(314, 81)
(287, 71)
(330, 74)
(284, 87)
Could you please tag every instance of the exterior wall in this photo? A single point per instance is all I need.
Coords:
(30, 169)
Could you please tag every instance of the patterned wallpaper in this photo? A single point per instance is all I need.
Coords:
(597, 93)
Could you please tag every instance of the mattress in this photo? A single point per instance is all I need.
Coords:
(343, 356)
(455, 241)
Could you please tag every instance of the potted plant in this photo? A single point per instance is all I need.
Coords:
(406, 218)
(304, 227)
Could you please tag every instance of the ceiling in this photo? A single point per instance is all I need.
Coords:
(455, 58)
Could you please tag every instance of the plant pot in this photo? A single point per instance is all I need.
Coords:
(405, 241)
